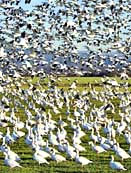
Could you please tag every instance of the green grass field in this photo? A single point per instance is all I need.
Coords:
(100, 161)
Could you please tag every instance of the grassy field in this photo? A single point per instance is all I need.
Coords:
(100, 161)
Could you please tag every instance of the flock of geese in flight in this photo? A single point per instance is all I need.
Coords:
(57, 27)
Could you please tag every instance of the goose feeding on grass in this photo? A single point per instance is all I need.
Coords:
(82, 160)
(116, 165)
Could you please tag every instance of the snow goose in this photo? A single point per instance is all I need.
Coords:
(70, 151)
(59, 134)
(63, 132)
(4, 146)
(49, 149)
(116, 165)
(12, 155)
(86, 125)
(17, 134)
(29, 137)
(41, 152)
(97, 148)
(61, 147)
(93, 137)
(78, 147)
(8, 137)
(53, 139)
(39, 158)
(10, 162)
(104, 145)
(121, 126)
(79, 132)
(39, 139)
(76, 138)
(121, 152)
(127, 136)
(61, 122)
(56, 157)
(113, 132)
(82, 160)
(76, 113)
(19, 124)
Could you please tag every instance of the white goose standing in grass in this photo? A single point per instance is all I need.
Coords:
(82, 160)
(8, 137)
(116, 165)
(49, 149)
(76, 138)
(93, 137)
(79, 132)
(11, 154)
(53, 139)
(42, 153)
(11, 162)
(19, 124)
(17, 134)
(121, 152)
(104, 145)
(78, 147)
(97, 148)
(61, 147)
(86, 125)
(56, 157)
(39, 158)
(70, 151)
(4, 146)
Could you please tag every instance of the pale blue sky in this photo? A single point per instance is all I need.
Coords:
(29, 6)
